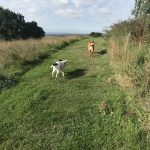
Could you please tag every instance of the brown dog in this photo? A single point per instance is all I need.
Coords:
(91, 48)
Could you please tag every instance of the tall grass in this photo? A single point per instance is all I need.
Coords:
(17, 53)
(129, 53)
(131, 64)
(16, 57)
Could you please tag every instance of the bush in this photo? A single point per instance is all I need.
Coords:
(138, 28)
(96, 34)
(129, 53)
(13, 26)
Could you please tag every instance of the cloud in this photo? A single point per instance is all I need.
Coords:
(79, 14)
(80, 8)
(63, 8)
(59, 3)
(69, 12)
(104, 11)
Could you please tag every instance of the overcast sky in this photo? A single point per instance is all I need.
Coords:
(72, 16)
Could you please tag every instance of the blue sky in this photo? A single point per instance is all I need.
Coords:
(72, 16)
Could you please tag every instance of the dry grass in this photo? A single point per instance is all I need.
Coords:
(124, 81)
(129, 54)
(121, 58)
(12, 52)
(127, 59)
(131, 64)
(120, 51)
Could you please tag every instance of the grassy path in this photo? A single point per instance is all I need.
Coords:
(42, 113)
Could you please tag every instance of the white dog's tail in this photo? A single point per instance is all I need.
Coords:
(65, 60)
(55, 64)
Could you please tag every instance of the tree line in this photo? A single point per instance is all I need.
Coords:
(13, 26)
(96, 34)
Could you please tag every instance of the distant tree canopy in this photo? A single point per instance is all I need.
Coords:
(142, 8)
(31, 30)
(13, 26)
(96, 34)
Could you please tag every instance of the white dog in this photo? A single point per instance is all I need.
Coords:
(58, 67)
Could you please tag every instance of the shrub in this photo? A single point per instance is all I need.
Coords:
(13, 26)
(96, 34)
(129, 53)
(138, 28)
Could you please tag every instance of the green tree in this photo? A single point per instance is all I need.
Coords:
(32, 30)
(96, 34)
(142, 8)
(13, 26)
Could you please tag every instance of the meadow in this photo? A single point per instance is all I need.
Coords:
(18, 56)
(87, 109)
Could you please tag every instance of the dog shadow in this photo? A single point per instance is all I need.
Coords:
(102, 52)
(76, 73)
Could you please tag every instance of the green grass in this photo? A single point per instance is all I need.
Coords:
(19, 56)
(41, 113)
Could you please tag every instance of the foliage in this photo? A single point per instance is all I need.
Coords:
(129, 52)
(139, 29)
(32, 30)
(96, 34)
(13, 26)
(142, 8)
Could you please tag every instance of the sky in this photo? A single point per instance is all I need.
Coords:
(72, 16)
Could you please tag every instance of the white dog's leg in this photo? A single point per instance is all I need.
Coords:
(57, 74)
(62, 73)
(53, 72)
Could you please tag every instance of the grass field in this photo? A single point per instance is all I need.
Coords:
(19, 56)
(70, 113)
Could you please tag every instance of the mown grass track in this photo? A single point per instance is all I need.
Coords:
(41, 113)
